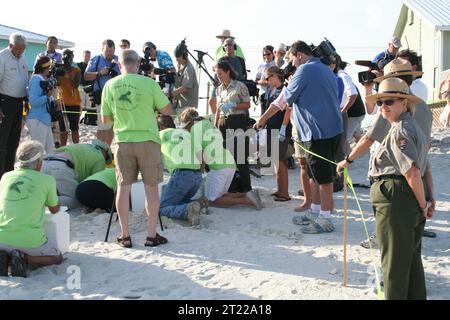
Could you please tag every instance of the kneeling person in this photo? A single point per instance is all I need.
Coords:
(24, 194)
(220, 162)
(97, 191)
(183, 160)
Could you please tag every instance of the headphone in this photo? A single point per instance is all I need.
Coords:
(235, 47)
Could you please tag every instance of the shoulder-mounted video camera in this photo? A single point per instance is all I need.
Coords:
(57, 70)
(323, 51)
(146, 66)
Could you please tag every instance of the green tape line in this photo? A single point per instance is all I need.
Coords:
(349, 182)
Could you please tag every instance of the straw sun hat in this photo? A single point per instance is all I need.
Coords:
(394, 88)
(398, 67)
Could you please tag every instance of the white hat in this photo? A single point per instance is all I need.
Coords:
(225, 34)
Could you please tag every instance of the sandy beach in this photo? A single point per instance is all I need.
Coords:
(239, 253)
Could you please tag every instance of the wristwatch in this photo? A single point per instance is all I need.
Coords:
(347, 159)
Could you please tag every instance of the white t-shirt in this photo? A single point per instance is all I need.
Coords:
(349, 87)
(419, 89)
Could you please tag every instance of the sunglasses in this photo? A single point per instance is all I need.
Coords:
(267, 78)
(227, 45)
(266, 54)
(387, 102)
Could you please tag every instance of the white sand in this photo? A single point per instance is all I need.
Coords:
(239, 253)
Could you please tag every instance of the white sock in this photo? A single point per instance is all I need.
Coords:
(325, 214)
(315, 208)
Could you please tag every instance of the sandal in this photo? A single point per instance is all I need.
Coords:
(156, 241)
(275, 194)
(282, 199)
(125, 242)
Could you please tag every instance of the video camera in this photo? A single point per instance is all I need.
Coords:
(146, 66)
(165, 76)
(48, 85)
(323, 51)
(57, 70)
(111, 72)
(368, 76)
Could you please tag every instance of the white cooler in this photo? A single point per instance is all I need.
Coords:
(138, 195)
(57, 228)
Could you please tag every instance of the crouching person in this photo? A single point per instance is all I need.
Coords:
(182, 158)
(220, 162)
(24, 193)
(97, 191)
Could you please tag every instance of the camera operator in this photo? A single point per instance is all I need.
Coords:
(165, 68)
(71, 97)
(383, 58)
(52, 43)
(101, 69)
(42, 93)
(313, 93)
(186, 85)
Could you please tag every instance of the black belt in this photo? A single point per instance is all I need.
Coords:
(191, 170)
(384, 177)
(66, 161)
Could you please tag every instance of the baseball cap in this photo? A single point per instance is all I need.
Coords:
(396, 42)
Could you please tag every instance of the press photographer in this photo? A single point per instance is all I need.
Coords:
(186, 85)
(42, 91)
(71, 99)
(101, 69)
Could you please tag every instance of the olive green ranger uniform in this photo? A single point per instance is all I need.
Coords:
(399, 219)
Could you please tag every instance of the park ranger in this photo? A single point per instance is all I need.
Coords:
(398, 192)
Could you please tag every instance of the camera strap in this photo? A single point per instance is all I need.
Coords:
(96, 69)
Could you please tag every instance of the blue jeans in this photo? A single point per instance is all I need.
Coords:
(177, 194)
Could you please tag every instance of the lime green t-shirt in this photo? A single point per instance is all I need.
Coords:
(132, 101)
(24, 194)
(220, 53)
(87, 159)
(214, 154)
(178, 150)
(107, 177)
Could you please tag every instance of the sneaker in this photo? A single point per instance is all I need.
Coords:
(254, 199)
(194, 213)
(320, 225)
(4, 256)
(18, 264)
(305, 218)
(204, 204)
(370, 243)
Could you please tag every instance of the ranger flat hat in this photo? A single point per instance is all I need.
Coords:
(225, 34)
(394, 88)
(398, 67)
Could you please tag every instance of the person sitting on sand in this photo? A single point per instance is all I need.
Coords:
(220, 162)
(24, 193)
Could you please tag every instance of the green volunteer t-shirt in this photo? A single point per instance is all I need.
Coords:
(87, 159)
(132, 101)
(24, 194)
(107, 177)
(178, 150)
(214, 154)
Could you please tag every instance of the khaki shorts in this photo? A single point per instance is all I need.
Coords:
(48, 249)
(299, 153)
(100, 125)
(134, 157)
